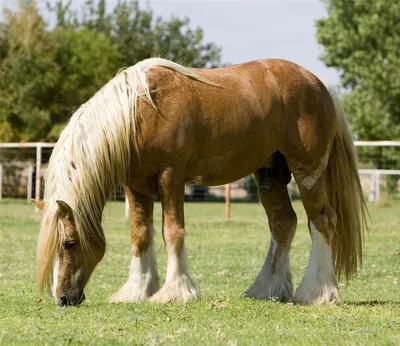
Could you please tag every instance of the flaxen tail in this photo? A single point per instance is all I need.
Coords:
(346, 198)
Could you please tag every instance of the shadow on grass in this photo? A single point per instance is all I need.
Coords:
(373, 303)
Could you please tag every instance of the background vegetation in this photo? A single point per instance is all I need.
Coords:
(47, 72)
(361, 39)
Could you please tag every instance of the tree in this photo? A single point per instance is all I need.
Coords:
(138, 34)
(28, 74)
(361, 38)
(46, 74)
(177, 41)
(87, 60)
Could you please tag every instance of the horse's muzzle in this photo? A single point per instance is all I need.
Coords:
(67, 301)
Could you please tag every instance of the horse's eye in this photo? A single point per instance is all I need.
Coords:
(70, 244)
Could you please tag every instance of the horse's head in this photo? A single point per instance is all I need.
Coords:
(74, 256)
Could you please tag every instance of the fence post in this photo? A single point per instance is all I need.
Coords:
(30, 176)
(377, 187)
(228, 201)
(1, 181)
(38, 169)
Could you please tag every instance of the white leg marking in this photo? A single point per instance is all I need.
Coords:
(56, 270)
(311, 180)
(142, 281)
(274, 279)
(179, 287)
(319, 284)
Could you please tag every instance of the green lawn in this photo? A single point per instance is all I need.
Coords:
(224, 258)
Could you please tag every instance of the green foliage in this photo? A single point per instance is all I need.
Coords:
(361, 38)
(29, 72)
(47, 73)
(87, 59)
(138, 34)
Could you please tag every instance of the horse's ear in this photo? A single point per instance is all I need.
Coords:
(64, 208)
(38, 204)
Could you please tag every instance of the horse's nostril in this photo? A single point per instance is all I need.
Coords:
(63, 301)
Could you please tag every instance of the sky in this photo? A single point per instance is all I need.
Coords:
(248, 29)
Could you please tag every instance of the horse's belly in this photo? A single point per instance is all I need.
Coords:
(239, 147)
(223, 169)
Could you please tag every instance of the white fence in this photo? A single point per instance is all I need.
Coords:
(32, 159)
(389, 166)
(38, 164)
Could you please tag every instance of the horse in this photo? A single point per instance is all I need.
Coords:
(157, 126)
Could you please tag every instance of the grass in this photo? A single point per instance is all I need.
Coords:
(224, 258)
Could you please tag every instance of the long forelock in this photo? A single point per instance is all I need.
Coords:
(47, 247)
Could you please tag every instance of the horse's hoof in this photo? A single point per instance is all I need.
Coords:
(180, 290)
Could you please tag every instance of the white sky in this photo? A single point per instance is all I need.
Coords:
(251, 29)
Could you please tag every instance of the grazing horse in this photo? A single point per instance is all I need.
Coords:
(158, 125)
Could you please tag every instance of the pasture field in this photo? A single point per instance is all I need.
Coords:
(224, 258)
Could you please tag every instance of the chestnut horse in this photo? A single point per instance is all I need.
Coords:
(158, 125)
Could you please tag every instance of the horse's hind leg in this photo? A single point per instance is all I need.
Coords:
(319, 284)
(178, 287)
(143, 277)
(274, 279)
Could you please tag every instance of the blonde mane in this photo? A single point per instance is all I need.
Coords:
(92, 157)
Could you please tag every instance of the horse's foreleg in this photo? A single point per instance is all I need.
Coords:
(274, 279)
(179, 287)
(143, 277)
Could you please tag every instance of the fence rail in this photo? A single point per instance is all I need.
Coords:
(36, 163)
(377, 143)
(51, 145)
(27, 145)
